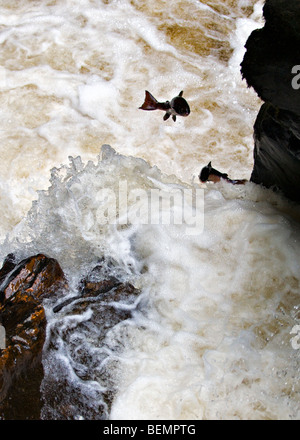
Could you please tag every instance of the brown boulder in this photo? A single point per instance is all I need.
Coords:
(24, 285)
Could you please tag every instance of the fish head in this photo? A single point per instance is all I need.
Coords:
(205, 173)
(180, 106)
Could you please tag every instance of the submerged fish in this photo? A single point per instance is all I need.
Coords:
(210, 174)
(177, 107)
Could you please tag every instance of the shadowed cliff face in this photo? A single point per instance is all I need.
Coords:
(270, 67)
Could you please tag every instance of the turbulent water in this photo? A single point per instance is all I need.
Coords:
(211, 333)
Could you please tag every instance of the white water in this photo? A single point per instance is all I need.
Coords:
(213, 340)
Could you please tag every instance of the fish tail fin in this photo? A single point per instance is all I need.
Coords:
(150, 102)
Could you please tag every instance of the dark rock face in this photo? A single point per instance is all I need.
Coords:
(269, 66)
(277, 150)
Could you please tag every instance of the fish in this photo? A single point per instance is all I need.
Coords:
(177, 107)
(210, 174)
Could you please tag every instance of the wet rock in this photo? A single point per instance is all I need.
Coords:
(277, 151)
(84, 346)
(269, 64)
(271, 54)
(24, 286)
(70, 377)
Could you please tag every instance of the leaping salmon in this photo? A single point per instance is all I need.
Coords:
(210, 174)
(177, 107)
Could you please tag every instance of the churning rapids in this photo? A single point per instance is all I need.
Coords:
(211, 332)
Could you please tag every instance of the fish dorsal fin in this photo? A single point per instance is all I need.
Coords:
(209, 165)
(181, 93)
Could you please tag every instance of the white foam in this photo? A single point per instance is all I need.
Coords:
(220, 303)
(215, 297)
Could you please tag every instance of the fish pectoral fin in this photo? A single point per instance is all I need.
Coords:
(167, 115)
(174, 118)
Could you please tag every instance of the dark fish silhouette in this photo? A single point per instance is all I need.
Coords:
(210, 174)
(177, 107)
